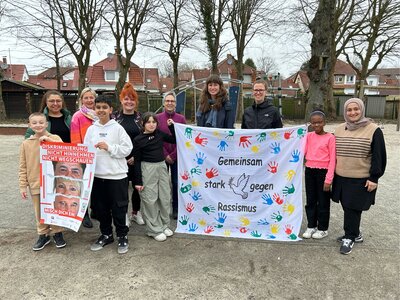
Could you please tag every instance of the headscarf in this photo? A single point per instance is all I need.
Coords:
(362, 122)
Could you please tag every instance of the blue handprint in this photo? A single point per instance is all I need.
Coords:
(222, 146)
(195, 196)
(267, 199)
(188, 132)
(221, 217)
(193, 227)
(255, 234)
(195, 170)
(276, 148)
(271, 236)
(295, 156)
(263, 222)
(184, 220)
(200, 157)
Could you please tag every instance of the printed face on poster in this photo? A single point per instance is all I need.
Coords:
(66, 181)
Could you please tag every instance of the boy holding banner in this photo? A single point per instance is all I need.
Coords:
(29, 177)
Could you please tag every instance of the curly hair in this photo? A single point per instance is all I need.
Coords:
(129, 91)
(205, 95)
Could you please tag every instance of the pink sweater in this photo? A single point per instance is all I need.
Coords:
(320, 153)
(79, 125)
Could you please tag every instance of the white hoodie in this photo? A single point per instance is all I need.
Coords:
(110, 164)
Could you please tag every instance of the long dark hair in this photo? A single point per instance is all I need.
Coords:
(205, 95)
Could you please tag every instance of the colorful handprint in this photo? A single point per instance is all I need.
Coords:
(295, 156)
(200, 141)
(209, 229)
(195, 183)
(189, 207)
(273, 167)
(290, 174)
(261, 137)
(288, 134)
(227, 232)
(184, 220)
(255, 234)
(208, 209)
(255, 148)
(202, 222)
(288, 229)
(274, 135)
(222, 146)
(263, 222)
(277, 216)
(221, 217)
(188, 132)
(230, 135)
(278, 199)
(276, 148)
(200, 157)
(244, 141)
(195, 171)
(196, 196)
(185, 188)
(193, 227)
(211, 173)
(301, 132)
(288, 190)
(289, 208)
(185, 175)
(188, 144)
(267, 199)
(243, 230)
(293, 236)
(216, 134)
(274, 228)
(245, 221)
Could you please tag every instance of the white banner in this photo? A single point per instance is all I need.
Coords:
(67, 172)
(240, 183)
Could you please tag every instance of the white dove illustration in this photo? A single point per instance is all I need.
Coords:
(240, 185)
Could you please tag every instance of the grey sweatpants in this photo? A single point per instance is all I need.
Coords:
(155, 197)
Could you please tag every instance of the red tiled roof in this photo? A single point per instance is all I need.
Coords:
(343, 68)
(185, 76)
(15, 72)
(111, 63)
(201, 73)
(168, 82)
(51, 72)
(51, 84)
(227, 66)
(152, 79)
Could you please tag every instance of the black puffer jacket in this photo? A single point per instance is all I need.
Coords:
(261, 116)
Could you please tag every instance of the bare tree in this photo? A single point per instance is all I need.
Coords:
(80, 22)
(125, 19)
(213, 19)
(173, 31)
(379, 37)
(36, 27)
(266, 64)
(3, 113)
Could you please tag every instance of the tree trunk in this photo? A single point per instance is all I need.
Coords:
(175, 68)
(239, 69)
(322, 62)
(3, 114)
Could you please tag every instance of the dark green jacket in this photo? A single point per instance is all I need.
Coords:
(67, 120)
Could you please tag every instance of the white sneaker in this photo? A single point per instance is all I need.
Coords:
(309, 232)
(168, 232)
(160, 238)
(320, 234)
(137, 218)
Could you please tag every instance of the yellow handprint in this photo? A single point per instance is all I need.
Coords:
(255, 148)
(202, 222)
(195, 183)
(245, 221)
(189, 145)
(289, 208)
(274, 228)
(290, 174)
(274, 135)
(227, 232)
(216, 134)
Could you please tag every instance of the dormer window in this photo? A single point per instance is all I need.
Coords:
(148, 80)
(111, 76)
(65, 84)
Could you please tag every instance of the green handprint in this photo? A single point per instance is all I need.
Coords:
(219, 226)
(288, 190)
(184, 220)
(230, 135)
(208, 209)
(301, 132)
(292, 236)
(188, 132)
(255, 234)
(185, 188)
(261, 137)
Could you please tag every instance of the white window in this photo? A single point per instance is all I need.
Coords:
(164, 86)
(148, 80)
(65, 84)
(246, 78)
(350, 79)
(339, 78)
(111, 76)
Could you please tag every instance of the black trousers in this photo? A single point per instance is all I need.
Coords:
(174, 182)
(318, 202)
(110, 204)
(351, 224)
(135, 194)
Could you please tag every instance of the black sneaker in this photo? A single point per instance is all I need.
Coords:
(86, 222)
(358, 239)
(102, 241)
(347, 246)
(41, 242)
(59, 240)
(123, 244)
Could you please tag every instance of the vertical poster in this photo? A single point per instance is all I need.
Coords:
(67, 172)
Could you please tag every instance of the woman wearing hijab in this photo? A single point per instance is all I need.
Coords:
(360, 162)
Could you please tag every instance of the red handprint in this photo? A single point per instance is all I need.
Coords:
(244, 141)
(209, 229)
(200, 141)
(185, 175)
(277, 199)
(189, 207)
(288, 134)
(273, 167)
(211, 173)
(243, 229)
(288, 229)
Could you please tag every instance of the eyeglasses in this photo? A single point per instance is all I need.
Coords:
(55, 101)
(170, 101)
(258, 91)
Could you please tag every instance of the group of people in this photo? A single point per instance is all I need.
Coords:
(141, 149)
